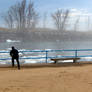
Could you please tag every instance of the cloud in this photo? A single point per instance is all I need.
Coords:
(79, 12)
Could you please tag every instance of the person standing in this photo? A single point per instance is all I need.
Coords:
(14, 56)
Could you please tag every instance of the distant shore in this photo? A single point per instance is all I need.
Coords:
(45, 35)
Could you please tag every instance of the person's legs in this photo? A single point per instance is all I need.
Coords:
(17, 59)
(12, 62)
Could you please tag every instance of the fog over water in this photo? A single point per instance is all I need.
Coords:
(48, 45)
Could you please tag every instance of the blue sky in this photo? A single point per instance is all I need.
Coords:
(50, 6)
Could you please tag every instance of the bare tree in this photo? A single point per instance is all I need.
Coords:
(88, 23)
(44, 19)
(32, 16)
(8, 20)
(65, 19)
(57, 19)
(22, 15)
(60, 18)
(76, 25)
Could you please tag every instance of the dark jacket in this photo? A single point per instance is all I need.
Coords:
(14, 53)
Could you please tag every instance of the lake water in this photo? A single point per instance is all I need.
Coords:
(46, 45)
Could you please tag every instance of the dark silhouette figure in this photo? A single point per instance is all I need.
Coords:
(15, 56)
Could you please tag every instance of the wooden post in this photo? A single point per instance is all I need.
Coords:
(55, 61)
(74, 60)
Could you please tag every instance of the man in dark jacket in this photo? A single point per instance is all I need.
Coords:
(15, 56)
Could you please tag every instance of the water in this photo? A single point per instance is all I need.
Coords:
(44, 46)
(48, 45)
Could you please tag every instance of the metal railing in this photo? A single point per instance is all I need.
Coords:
(75, 53)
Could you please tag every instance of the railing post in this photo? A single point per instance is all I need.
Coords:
(75, 56)
(46, 56)
(75, 53)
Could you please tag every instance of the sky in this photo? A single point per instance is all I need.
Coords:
(51, 5)
(81, 7)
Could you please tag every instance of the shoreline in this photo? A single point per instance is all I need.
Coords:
(43, 65)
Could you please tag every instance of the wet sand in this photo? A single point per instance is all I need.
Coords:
(66, 77)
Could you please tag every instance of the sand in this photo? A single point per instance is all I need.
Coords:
(47, 78)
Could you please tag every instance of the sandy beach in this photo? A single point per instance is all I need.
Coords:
(67, 77)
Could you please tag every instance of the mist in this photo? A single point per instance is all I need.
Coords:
(24, 26)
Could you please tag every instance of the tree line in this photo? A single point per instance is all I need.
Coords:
(23, 16)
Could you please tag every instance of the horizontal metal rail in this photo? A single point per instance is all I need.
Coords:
(46, 57)
(49, 50)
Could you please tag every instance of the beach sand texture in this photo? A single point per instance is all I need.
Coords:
(47, 78)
